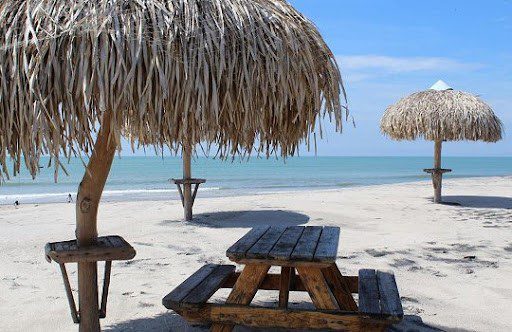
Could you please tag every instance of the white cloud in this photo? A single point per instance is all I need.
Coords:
(388, 64)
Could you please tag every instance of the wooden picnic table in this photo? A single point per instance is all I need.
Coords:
(306, 257)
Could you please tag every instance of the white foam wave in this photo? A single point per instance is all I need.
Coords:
(46, 197)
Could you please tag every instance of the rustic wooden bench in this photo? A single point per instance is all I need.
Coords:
(306, 250)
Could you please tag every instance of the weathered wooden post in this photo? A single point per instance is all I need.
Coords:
(187, 185)
(437, 174)
(88, 198)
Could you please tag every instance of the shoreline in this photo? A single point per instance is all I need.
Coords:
(113, 196)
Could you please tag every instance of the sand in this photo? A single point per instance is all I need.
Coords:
(452, 263)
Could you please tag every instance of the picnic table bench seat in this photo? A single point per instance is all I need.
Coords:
(378, 295)
(199, 287)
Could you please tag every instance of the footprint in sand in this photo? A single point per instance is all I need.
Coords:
(145, 305)
(403, 262)
(377, 253)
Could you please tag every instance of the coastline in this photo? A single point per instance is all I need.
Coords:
(171, 194)
(393, 227)
(147, 178)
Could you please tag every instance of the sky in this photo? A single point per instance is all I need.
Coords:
(390, 49)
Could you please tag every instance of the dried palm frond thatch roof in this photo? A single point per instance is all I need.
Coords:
(240, 74)
(439, 115)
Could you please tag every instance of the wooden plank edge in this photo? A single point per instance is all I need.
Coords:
(281, 318)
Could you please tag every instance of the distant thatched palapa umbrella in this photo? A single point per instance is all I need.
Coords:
(244, 75)
(441, 114)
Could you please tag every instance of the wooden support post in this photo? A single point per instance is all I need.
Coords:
(317, 288)
(244, 290)
(88, 198)
(284, 286)
(187, 186)
(339, 288)
(437, 175)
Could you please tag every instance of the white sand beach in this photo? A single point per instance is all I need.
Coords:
(453, 264)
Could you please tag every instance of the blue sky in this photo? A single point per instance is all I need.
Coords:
(389, 49)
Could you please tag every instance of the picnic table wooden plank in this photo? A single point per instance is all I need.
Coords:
(286, 243)
(317, 287)
(284, 285)
(244, 290)
(188, 285)
(265, 244)
(368, 292)
(203, 291)
(306, 246)
(240, 248)
(389, 298)
(339, 288)
(327, 248)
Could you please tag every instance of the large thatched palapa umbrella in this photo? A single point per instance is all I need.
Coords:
(244, 75)
(441, 114)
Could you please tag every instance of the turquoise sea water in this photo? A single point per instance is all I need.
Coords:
(136, 178)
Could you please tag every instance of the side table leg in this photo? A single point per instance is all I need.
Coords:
(244, 290)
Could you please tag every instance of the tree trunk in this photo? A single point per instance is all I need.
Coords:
(88, 198)
(187, 186)
(437, 175)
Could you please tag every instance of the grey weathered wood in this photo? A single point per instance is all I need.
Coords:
(69, 294)
(240, 248)
(202, 292)
(286, 243)
(194, 194)
(104, 291)
(188, 285)
(116, 241)
(188, 181)
(368, 292)
(327, 248)
(306, 246)
(106, 248)
(437, 170)
(390, 303)
(265, 244)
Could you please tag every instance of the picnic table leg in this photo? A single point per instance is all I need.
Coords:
(284, 286)
(339, 288)
(314, 281)
(244, 290)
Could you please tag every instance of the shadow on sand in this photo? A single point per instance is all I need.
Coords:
(171, 322)
(247, 219)
(490, 202)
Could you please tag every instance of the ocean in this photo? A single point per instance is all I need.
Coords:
(147, 178)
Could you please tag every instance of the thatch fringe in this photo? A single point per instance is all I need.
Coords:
(241, 74)
(441, 115)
